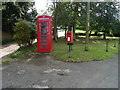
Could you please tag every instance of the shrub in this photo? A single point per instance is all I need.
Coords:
(25, 33)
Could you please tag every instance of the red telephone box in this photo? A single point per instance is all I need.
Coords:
(44, 33)
(69, 37)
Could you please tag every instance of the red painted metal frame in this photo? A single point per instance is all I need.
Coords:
(44, 44)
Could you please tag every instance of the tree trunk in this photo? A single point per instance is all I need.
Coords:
(119, 40)
(104, 35)
(90, 33)
(87, 27)
(74, 28)
(55, 34)
(65, 33)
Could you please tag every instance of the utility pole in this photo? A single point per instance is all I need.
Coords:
(87, 26)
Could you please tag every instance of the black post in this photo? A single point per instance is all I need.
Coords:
(114, 43)
(71, 47)
(106, 45)
(69, 51)
(119, 40)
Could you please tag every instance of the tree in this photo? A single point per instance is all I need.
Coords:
(116, 28)
(105, 14)
(12, 12)
(93, 17)
(87, 26)
(102, 15)
(74, 15)
(55, 19)
(65, 14)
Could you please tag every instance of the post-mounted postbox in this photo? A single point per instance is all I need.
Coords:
(44, 33)
(69, 37)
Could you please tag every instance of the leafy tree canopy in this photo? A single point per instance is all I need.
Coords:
(14, 11)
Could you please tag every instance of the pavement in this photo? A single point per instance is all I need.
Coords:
(45, 71)
(7, 49)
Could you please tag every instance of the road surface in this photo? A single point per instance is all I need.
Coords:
(44, 71)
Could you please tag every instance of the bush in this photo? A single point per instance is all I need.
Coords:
(25, 33)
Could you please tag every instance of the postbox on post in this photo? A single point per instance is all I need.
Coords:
(69, 39)
(44, 33)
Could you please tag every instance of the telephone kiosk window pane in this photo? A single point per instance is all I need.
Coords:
(43, 30)
(44, 26)
(44, 23)
(43, 39)
(43, 36)
(43, 33)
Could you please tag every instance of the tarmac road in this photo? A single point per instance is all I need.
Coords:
(44, 71)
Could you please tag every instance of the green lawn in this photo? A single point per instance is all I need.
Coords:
(96, 51)
(24, 52)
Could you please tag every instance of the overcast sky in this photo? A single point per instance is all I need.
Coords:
(40, 5)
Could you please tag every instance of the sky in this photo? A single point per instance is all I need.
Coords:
(40, 5)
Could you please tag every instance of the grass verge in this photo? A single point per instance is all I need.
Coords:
(23, 52)
(5, 62)
(97, 51)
